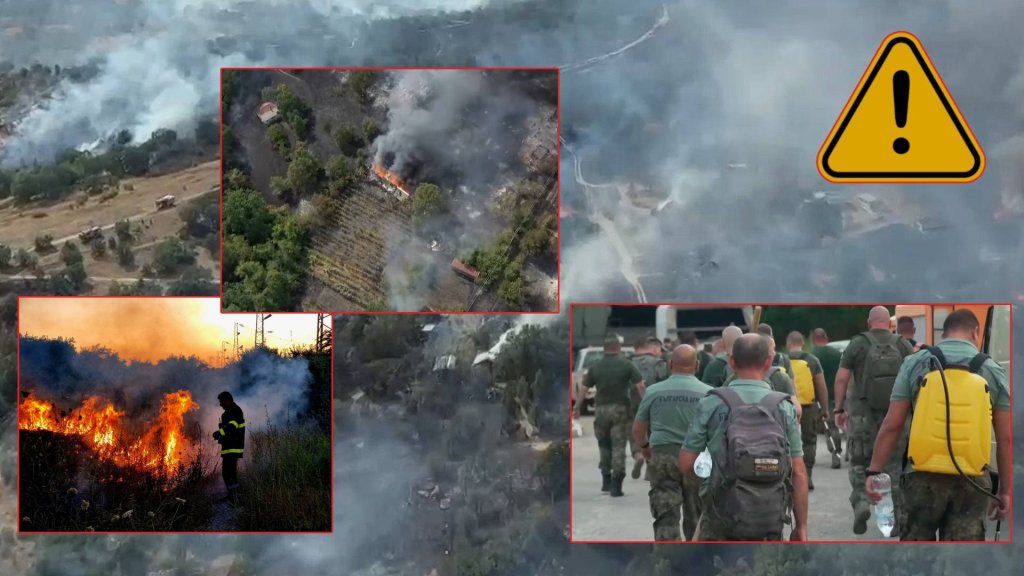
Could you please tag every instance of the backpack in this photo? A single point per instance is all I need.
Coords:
(750, 477)
(881, 365)
(970, 418)
(803, 381)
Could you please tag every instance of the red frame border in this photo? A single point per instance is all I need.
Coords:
(1009, 517)
(17, 437)
(558, 179)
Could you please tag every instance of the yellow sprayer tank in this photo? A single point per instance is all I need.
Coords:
(970, 424)
(803, 381)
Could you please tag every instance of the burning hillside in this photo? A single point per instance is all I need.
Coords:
(159, 446)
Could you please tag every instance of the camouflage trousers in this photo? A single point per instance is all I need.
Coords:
(863, 430)
(634, 405)
(943, 507)
(612, 428)
(672, 492)
(809, 434)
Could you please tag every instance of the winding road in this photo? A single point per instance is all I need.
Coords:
(608, 228)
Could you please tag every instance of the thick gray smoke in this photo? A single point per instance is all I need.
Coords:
(162, 69)
(271, 390)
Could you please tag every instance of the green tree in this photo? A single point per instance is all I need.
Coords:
(370, 129)
(247, 214)
(280, 186)
(278, 137)
(340, 174)
(362, 82)
(536, 242)
(123, 229)
(170, 255)
(427, 202)
(299, 124)
(303, 171)
(25, 259)
(25, 185)
(5, 183)
(44, 243)
(125, 256)
(512, 292)
(70, 254)
(348, 140)
(162, 138)
(135, 161)
(98, 247)
(5, 256)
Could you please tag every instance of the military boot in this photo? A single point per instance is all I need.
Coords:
(638, 464)
(606, 481)
(617, 485)
(861, 513)
(836, 461)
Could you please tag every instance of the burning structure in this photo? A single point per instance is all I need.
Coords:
(391, 181)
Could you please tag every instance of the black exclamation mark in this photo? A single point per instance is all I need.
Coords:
(901, 96)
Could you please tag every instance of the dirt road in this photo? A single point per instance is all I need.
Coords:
(20, 226)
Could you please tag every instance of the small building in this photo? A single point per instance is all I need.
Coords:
(465, 270)
(268, 113)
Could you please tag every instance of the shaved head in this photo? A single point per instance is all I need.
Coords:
(795, 340)
(729, 336)
(751, 353)
(684, 360)
(878, 318)
(819, 336)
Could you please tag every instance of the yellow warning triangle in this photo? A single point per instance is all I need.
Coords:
(901, 124)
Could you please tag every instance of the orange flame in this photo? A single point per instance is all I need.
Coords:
(390, 177)
(98, 423)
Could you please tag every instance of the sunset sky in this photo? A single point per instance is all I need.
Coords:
(151, 329)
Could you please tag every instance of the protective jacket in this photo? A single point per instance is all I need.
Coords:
(231, 433)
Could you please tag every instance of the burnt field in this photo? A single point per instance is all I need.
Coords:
(394, 175)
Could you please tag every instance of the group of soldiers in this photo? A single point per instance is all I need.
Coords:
(757, 413)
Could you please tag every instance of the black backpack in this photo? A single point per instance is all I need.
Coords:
(881, 365)
(750, 478)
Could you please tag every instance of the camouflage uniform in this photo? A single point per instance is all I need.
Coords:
(669, 407)
(612, 428)
(653, 369)
(714, 373)
(943, 506)
(612, 377)
(777, 379)
(864, 423)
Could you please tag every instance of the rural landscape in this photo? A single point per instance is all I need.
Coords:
(119, 217)
(409, 190)
(118, 438)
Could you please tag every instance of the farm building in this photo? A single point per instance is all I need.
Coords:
(268, 112)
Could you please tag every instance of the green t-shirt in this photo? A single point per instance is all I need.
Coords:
(670, 406)
(714, 374)
(776, 377)
(612, 377)
(857, 352)
(829, 358)
(916, 366)
(708, 428)
(705, 359)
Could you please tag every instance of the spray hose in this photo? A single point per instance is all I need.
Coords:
(949, 439)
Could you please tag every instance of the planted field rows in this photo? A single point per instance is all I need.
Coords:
(351, 248)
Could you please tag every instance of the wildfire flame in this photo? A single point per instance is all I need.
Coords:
(100, 425)
(390, 177)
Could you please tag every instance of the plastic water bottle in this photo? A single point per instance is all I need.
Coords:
(702, 466)
(885, 515)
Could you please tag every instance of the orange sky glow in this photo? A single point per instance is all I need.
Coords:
(151, 329)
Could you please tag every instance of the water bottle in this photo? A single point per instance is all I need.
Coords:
(885, 515)
(702, 467)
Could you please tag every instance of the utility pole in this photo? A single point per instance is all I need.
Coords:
(260, 338)
(323, 332)
(237, 344)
